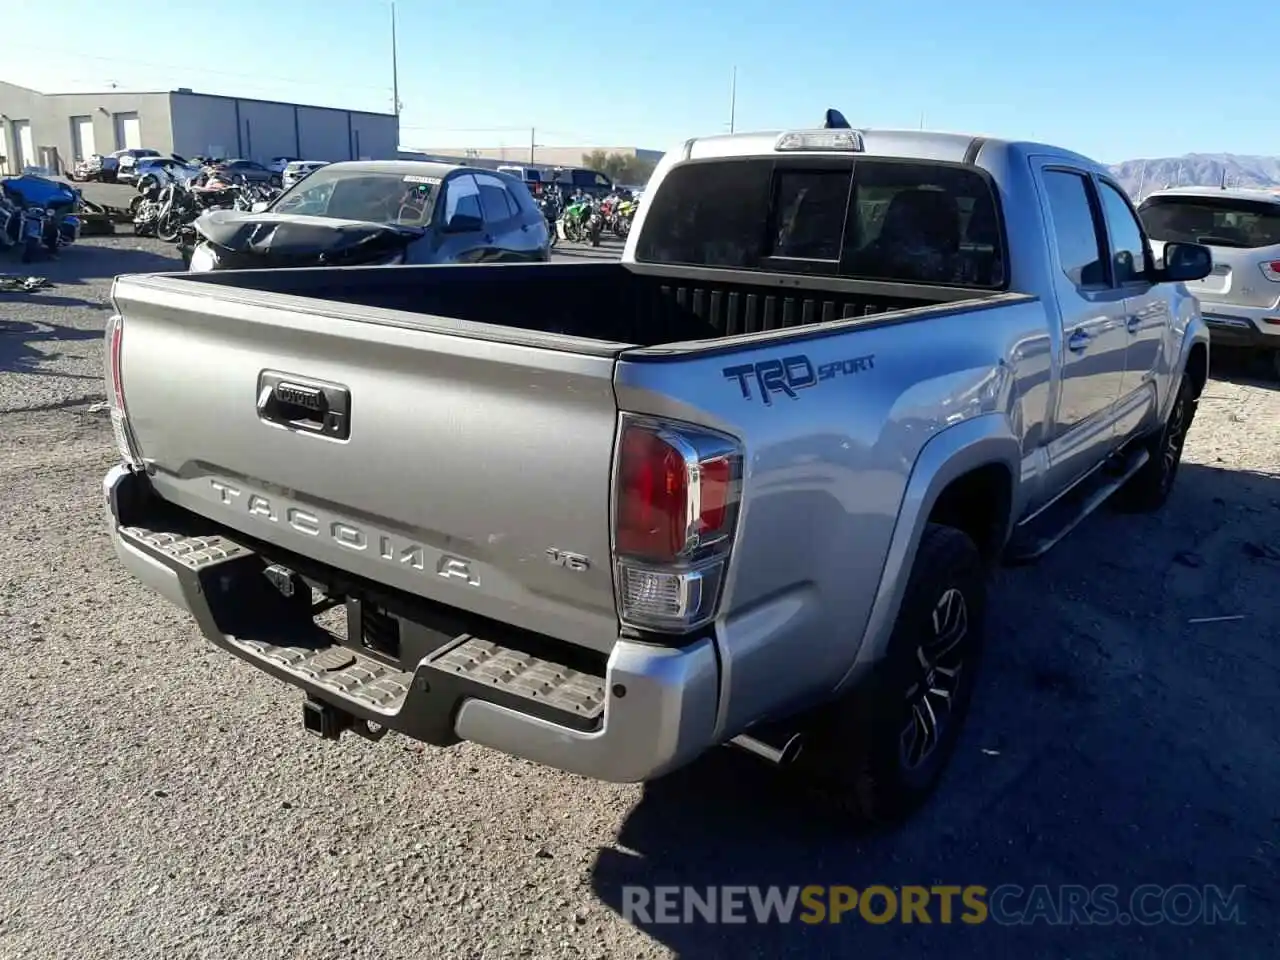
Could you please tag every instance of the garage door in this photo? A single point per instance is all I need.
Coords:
(26, 148)
(128, 131)
(82, 138)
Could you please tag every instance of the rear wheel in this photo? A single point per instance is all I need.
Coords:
(880, 752)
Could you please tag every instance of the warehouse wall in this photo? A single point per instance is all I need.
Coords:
(50, 116)
(375, 136)
(259, 130)
(204, 126)
(322, 134)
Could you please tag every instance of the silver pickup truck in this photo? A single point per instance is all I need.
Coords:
(743, 486)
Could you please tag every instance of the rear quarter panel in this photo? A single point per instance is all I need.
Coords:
(826, 471)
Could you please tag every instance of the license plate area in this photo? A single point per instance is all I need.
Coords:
(397, 641)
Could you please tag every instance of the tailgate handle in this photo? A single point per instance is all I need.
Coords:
(304, 404)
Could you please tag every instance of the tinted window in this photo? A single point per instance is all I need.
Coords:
(809, 209)
(462, 196)
(493, 197)
(711, 214)
(1128, 249)
(1216, 221)
(1080, 249)
(874, 219)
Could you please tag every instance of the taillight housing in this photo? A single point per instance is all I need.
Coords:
(1271, 270)
(676, 493)
(115, 392)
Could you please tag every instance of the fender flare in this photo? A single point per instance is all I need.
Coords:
(957, 450)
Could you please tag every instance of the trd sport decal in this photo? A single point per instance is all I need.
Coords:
(790, 375)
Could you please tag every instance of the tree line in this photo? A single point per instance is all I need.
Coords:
(619, 167)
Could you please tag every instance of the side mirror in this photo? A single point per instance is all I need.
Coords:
(260, 206)
(1184, 262)
(463, 223)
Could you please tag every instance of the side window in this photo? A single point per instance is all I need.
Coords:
(494, 199)
(1128, 248)
(462, 196)
(1080, 249)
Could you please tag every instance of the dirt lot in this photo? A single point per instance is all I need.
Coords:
(161, 800)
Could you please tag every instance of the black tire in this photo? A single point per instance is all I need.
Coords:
(1149, 488)
(865, 752)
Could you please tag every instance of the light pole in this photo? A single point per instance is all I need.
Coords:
(733, 98)
(395, 69)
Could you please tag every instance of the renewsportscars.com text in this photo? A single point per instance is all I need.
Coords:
(1004, 905)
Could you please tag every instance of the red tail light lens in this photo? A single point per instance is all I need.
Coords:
(1271, 270)
(653, 497)
(717, 476)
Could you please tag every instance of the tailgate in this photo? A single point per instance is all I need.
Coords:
(463, 470)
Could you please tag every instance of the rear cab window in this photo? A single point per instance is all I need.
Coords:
(871, 218)
(1214, 221)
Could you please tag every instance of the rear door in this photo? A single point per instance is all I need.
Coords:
(463, 469)
(1094, 336)
(1148, 317)
(507, 224)
(460, 221)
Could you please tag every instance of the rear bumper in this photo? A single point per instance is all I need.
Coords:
(653, 710)
(1233, 326)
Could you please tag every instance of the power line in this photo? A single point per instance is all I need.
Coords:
(238, 74)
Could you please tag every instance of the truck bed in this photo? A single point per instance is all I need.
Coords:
(605, 300)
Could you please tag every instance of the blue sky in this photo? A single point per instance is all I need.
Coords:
(1115, 80)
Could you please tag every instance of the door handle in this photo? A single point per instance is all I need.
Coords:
(1079, 341)
(1132, 323)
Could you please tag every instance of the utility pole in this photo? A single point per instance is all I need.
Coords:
(921, 119)
(733, 98)
(395, 70)
(532, 144)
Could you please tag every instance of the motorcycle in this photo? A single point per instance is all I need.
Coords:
(47, 214)
(582, 222)
(549, 204)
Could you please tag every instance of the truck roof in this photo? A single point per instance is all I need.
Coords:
(921, 144)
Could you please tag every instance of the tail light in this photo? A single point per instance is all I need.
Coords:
(1271, 270)
(676, 494)
(115, 397)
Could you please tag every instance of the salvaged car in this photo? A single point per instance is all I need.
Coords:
(744, 486)
(379, 212)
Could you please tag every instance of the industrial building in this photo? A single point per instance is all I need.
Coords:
(54, 130)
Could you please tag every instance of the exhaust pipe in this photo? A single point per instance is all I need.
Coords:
(781, 752)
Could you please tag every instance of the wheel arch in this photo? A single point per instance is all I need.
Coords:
(966, 476)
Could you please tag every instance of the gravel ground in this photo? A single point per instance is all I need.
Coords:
(161, 800)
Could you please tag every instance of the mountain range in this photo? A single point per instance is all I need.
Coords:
(1197, 170)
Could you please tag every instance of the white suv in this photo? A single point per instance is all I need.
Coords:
(1240, 299)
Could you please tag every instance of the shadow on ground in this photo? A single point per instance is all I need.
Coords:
(1250, 368)
(1112, 742)
(24, 346)
(92, 259)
